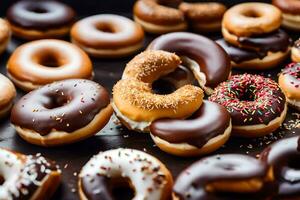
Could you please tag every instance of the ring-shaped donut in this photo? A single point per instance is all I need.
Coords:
(290, 13)
(256, 104)
(40, 62)
(62, 112)
(137, 106)
(146, 175)
(107, 35)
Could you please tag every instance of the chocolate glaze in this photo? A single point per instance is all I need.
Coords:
(64, 106)
(213, 60)
(191, 183)
(96, 187)
(170, 3)
(288, 6)
(283, 156)
(41, 15)
(239, 55)
(208, 122)
(276, 41)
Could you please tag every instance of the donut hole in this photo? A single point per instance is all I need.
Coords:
(2, 180)
(105, 27)
(49, 60)
(252, 14)
(162, 87)
(38, 10)
(247, 96)
(121, 188)
(56, 101)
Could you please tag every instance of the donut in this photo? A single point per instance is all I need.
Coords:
(7, 95)
(290, 13)
(62, 112)
(107, 36)
(295, 52)
(203, 17)
(33, 20)
(40, 62)
(206, 59)
(282, 158)
(5, 33)
(135, 103)
(202, 133)
(289, 82)
(158, 16)
(256, 104)
(27, 176)
(251, 19)
(242, 176)
(269, 52)
(136, 170)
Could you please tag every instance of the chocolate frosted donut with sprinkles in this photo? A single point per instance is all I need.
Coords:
(27, 177)
(62, 112)
(132, 169)
(256, 104)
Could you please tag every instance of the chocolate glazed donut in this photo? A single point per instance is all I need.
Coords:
(283, 160)
(211, 58)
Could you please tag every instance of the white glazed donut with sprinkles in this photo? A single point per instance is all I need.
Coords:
(27, 177)
(146, 175)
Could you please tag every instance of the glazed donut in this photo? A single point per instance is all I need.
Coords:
(256, 104)
(146, 175)
(107, 35)
(44, 61)
(62, 112)
(155, 16)
(289, 82)
(295, 52)
(282, 158)
(204, 132)
(33, 20)
(290, 13)
(251, 19)
(27, 177)
(206, 59)
(204, 17)
(241, 175)
(270, 54)
(7, 95)
(5, 33)
(137, 106)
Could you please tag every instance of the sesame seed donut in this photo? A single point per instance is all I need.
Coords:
(256, 104)
(202, 133)
(7, 95)
(290, 13)
(250, 19)
(107, 35)
(5, 34)
(289, 82)
(62, 112)
(137, 106)
(228, 176)
(282, 158)
(33, 20)
(206, 59)
(203, 17)
(144, 174)
(27, 176)
(40, 62)
(159, 16)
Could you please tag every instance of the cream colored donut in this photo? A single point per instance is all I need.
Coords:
(5, 34)
(107, 35)
(27, 177)
(40, 62)
(7, 95)
(137, 106)
(146, 175)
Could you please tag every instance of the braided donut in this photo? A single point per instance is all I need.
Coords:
(27, 177)
(137, 106)
(146, 175)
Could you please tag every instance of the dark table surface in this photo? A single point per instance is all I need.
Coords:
(72, 157)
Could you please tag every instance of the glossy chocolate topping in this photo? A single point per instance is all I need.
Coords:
(41, 15)
(283, 156)
(191, 183)
(274, 42)
(239, 55)
(250, 99)
(63, 106)
(208, 122)
(213, 60)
